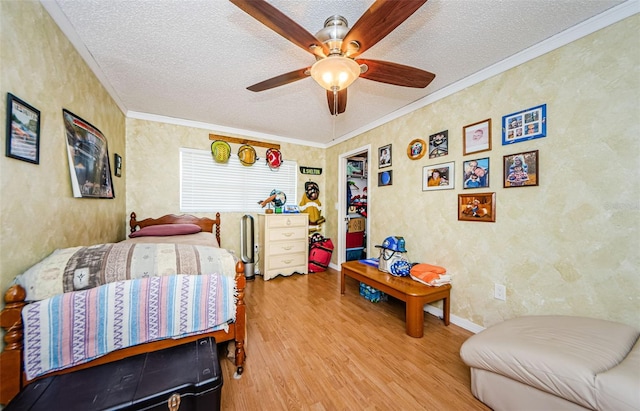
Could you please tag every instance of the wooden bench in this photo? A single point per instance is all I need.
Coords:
(413, 293)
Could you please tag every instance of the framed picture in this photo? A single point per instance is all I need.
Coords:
(438, 177)
(439, 144)
(23, 130)
(521, 169)
(524, 125)
(117, 160)
(385, 178)
(384, 156)
(476, 173)
(416, 149)
(88, 156)
(476, 137)
(477, 207)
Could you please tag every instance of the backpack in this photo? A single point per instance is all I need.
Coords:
(320, 250)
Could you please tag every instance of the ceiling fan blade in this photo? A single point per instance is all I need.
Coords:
(277, 21)
(378, 21)
(280, 80)
(396, 74)
(341, 105)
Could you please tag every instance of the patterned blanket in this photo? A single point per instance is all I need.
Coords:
(73, 328)
(80, 268)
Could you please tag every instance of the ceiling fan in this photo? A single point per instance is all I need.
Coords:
(336, 46)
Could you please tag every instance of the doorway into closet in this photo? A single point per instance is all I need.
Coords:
(353, 210)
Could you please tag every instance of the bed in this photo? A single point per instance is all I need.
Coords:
(161, 300)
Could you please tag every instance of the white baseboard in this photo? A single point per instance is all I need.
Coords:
(454, 319)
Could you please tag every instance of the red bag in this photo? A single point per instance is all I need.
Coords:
(320, 250)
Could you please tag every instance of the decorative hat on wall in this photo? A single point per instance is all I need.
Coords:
(221, 151)
(274, 158)
(247, 155)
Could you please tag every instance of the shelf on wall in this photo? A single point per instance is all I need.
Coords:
(235, 140)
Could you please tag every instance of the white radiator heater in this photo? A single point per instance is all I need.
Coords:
(246, 246)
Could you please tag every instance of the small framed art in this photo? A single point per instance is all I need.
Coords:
(439, 144)
(438, 177)
(524, 125)
(384, 156)
(385, 178)
(416, 149)
(118, 165)
(23, 130)
(476, 137)
(521, 169)
(476, 173)
(477, 207)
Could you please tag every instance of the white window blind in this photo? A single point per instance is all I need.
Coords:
(207, 186)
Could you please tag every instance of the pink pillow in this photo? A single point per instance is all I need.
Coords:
(165, 230)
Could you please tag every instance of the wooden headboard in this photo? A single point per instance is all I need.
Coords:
(207, 224)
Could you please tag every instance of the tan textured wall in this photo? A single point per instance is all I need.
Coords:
(37, 210)
(569, 246)
(153, 171)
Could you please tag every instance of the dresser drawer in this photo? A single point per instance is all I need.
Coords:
(287, 247)
(285, 261)
(282, 220)
(289, 233)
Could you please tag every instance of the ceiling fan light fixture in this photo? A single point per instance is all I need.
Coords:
(335, 72)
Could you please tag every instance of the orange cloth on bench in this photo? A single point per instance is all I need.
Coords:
(427, 273)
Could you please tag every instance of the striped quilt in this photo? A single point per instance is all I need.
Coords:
(73, 328)
(81, 268)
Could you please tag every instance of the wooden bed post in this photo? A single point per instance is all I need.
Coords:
(11, 356)
(241, 318)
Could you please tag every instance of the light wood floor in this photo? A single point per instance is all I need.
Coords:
(309, 348)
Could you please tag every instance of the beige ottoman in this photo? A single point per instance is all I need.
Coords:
(555, 363)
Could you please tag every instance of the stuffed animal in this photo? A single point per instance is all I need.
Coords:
(310, 203)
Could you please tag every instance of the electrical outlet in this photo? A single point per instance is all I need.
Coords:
(500, 292)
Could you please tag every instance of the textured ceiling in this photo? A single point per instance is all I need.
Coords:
(193, 59)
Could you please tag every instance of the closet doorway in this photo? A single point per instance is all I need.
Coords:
(353, 211)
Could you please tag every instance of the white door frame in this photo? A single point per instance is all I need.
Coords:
(342, 200)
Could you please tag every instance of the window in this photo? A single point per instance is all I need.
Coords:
(207, 186)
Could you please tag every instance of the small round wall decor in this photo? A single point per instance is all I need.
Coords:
(416, 149)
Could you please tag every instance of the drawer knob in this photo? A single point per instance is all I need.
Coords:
(288, 221)
(287, 261)
(287, 234)
(287, 248)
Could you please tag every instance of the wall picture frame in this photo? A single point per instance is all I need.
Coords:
(416, 149)
(117, 161)
(439, 144)
(88, 155)
(23, 130)
(479, 207)
(476, 137)
(438, 177)
(524, 125)
(384, 156)
(475, 173)
(385, 178)
(521, 169)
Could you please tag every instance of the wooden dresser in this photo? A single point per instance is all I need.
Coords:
(284, 244)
